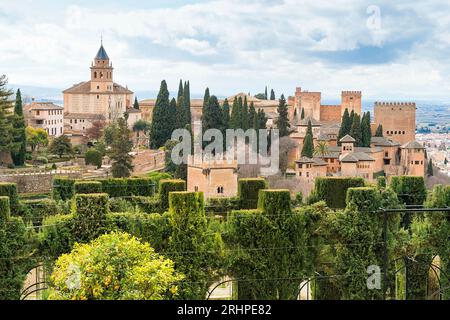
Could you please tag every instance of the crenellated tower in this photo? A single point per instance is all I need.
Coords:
(351, 100)
(398, 120)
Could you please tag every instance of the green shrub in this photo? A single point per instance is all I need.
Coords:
(93, 157)
(333, 190)
(141, 187)
(146, 204)
(156, 177)
(57, 237)
(41, 160)
(90, 216)
(37, 210)
(248, 191)
(167, 186)
(274, 202)
(115, 188)
(10, 190)
(88, 187)
(63, 188)
(381, 182)
(5, 210)
(120, 205)
(222, 206)
(363, 199)
(410, 190)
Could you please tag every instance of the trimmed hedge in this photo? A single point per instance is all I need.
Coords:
(10, 190)
(5, 211)
(146, 204)
(57, 238)
(381, 182)
(333, 190)
(36, 210)
(88, 187)
(122, 187)
(222, 206)
(274, 202)
(248, 192)
(90, 216)
(363, 199)
(168, 186)
(63, 188)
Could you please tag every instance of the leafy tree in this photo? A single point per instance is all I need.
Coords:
(120, 150)
(36, 138)
(308, 146)
(283, 118)
(366, 133)
(260, 96)
(136, 103)
(95, 132)
(115, 266)
(345, 125)
(355, 131)
(8, 142)
(272, 95)
(60, 146)
(19, 132)
(379, 132)
(162, 126)
(93, 157)
(430, 171)
(141, 126)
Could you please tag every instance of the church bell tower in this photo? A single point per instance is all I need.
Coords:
(101, 72)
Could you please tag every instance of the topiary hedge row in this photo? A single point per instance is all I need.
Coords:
(63, 188)
(168, 186)
(90, 216)
(333, 190)
(88, 187)
(122, 187)
(410, 190)
(10, 190)
(248, 192)
(5, 210)
(35, 211)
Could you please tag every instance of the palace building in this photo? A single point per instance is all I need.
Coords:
(99, 99)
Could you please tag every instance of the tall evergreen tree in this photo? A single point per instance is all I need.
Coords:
(161, 129)
(252, 116)
(181, 120)
(283, 117)
(262, 119)
(180, 90)
(172, 115)
(213, 118)
(430, 171)
(245, 123)
(240, 108)
(226, 114)
(121, 147)
(19, 132)
(266, 94)
(234, 119)
(272, 95)
(303, 113)
(366, 134)
(379, 132)
(355, 131)
(187, 102)
(136, 103)
(345, 125)
(309, 130)
(7, 141)
(308, 143)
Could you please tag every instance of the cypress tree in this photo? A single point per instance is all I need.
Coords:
(180, 90)
(205, 112)
(245, 122)
(265, 94)
(240, 107)
(226, 114)
(355, 131)
(310, 130)
(181, 114)
(262, 119)
(252, 116)
(213, 118)
(172, 116)
(345, 125)
(303, 114)
(187, 102)
(19, 132)
(161, 129)
(366, 134)
(430, 172)
(136, 103)
(379, 132)
(283, 118)
(272, 95)
(7, 143)
(234, 119)
(308, 146)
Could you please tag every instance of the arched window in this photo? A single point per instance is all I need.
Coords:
(95, 74)
(220, 190)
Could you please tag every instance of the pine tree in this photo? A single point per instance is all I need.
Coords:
(345, 125)
(379, 132)
(308, 144)
(355, 131)
(120, 150)
(272, 95)
(226, 114)
(283, 118)
(19, 132)
(366, 134)
(136, 103)
(7, 143)
(245, 123)
(430, 172)
(161, 129)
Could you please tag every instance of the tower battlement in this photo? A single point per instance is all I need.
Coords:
(395, 104)
(351, 93)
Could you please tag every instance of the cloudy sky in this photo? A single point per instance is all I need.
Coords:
(389, 50)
